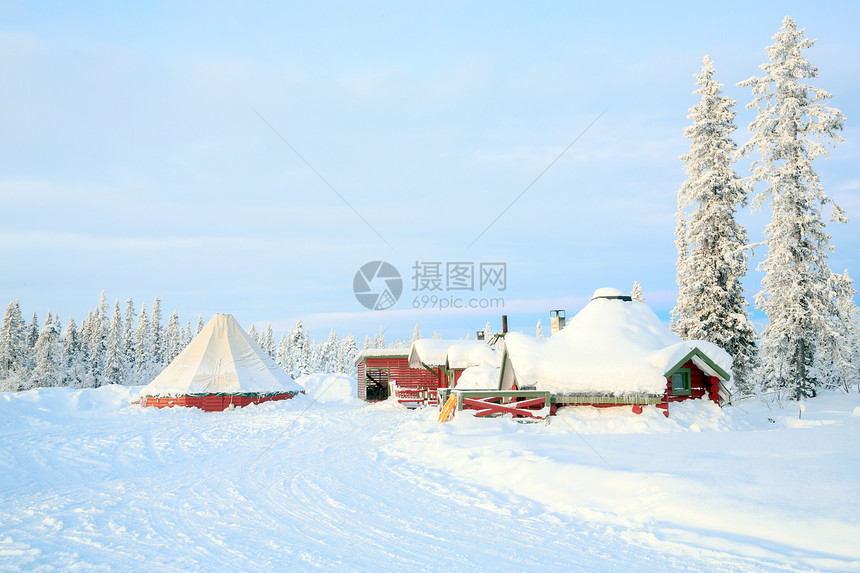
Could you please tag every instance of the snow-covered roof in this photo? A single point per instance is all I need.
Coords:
(467, 353)
(483, 377)
(612, 346)
(371, 352)
(455, 353)
(608, 292)
(222, 359)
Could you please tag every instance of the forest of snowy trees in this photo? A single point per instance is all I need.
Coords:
(131, 347)
(812, 338)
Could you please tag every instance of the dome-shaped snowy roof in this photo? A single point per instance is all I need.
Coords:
(612, 345)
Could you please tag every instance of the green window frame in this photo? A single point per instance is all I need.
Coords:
(681, 382)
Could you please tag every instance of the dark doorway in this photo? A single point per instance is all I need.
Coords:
(376, 384)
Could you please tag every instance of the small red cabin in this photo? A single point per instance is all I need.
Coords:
(616, 352)
(381, 369)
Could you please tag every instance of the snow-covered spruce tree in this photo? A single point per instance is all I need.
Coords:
(712, 258)
(488, 332)
(298, 348)
(269, 341)
(200, 324)
(143, 357)
(96, 327)
(838, 356)
(306, 359)
(636, 292)
(539, 330)
(98, 332)
(48, 357)
(86, 375)
(173, 342)
(348, 350)
(129, 339)
(329, 353)
(114, 349)
(75, 369)
(681, 263)
(13, 349)
(791, 129)
(33, 333)
(157, 336)
(416, 334)
(282, 354)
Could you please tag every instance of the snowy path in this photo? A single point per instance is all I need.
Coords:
(179, 490)
(98, 484)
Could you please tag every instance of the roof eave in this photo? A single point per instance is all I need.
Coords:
(701, 360)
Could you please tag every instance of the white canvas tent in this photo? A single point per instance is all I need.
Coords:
(221, 367)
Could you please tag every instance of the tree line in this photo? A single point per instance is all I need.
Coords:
(132, 347)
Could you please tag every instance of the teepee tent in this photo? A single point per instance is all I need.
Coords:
(221, 367)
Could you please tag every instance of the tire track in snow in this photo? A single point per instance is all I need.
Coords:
(177, 491)
(400, 520)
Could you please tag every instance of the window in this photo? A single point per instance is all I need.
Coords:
(681, 382)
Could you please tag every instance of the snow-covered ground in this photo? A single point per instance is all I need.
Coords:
(323, 482)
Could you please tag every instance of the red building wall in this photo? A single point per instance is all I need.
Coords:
(702, 386)
(410, 379)
(211, 402)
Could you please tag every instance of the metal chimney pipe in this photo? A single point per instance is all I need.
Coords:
(504, 323)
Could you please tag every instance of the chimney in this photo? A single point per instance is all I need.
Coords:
(479, 335)
(504, 324)
(556, 321)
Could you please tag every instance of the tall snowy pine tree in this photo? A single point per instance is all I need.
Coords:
(143, 357)
(174, 341)
(48, 358)
(636, 292)
(711, 243)
(157, 336)
(790, 130)
(114, 349)
(13, 349)
(129, 338)
(75, 367)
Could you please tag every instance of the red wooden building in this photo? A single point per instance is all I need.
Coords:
(383, 370)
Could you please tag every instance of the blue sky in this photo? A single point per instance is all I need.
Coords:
(133, 159)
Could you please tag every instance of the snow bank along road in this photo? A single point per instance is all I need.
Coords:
(88, 481)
